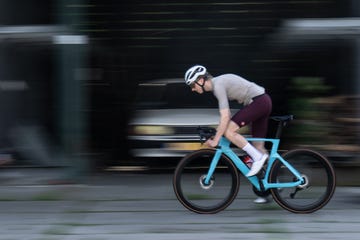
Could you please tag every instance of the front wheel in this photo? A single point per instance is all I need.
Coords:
(198, 196)
(318, 185)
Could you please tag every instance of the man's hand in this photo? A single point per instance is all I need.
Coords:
(211, 143)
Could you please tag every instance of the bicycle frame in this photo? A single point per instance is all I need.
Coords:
(260, 184)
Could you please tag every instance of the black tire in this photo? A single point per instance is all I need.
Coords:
(319, 186)
(199, 197)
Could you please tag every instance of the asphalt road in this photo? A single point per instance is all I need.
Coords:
(143, 206)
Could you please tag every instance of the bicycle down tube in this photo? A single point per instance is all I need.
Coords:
(224, 147)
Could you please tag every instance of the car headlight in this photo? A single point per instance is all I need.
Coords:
(153, 130)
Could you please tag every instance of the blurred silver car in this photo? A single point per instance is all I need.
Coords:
(167, 115)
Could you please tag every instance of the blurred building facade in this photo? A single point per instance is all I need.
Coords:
(71, 67)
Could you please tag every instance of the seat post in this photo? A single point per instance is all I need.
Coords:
(279, 130)
(283, 120)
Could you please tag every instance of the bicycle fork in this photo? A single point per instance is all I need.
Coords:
(212, 167)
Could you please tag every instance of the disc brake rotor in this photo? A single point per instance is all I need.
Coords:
(204, 185)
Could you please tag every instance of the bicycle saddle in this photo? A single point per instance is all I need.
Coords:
(285, 118)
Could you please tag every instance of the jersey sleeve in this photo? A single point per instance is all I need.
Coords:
(220, 94)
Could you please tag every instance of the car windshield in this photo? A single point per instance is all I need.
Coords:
(172, 95)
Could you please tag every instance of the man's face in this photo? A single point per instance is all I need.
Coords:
(196, 86)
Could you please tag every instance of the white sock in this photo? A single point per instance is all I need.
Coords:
(253, 152)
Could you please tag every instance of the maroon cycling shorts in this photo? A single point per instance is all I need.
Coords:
(257, 113)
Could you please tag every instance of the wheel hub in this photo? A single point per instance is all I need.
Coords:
(306, 182)
(204, 185)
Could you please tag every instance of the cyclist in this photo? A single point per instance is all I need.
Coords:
(256, 111)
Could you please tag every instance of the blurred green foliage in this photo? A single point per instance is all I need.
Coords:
(310, 125)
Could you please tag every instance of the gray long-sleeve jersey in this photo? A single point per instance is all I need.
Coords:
(233, 87)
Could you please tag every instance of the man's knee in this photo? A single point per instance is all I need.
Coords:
(230, 134)
(231, 130)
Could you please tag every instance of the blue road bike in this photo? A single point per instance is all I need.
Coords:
(208, 180)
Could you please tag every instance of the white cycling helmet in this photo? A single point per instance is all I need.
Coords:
(193, 73)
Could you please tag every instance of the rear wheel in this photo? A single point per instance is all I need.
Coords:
(318, 186)
(191, 189)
